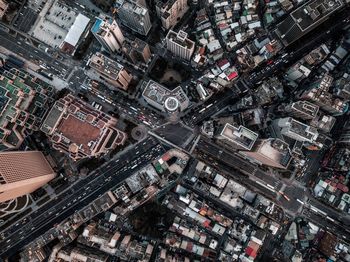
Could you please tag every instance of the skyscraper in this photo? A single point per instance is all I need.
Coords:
(134, 15)
(108, 33)
(22, 173)
(179, 44)
(170, 12)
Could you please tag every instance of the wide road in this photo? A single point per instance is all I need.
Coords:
(79, 195)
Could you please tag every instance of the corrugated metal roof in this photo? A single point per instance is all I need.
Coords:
(77, 29)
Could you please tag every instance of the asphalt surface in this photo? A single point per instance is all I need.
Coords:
(78, 196)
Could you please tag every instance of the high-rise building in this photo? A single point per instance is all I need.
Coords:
(237, 137)
(270, 152)
(302, 109)
(110, 70)
(296, 130)
(81, 131)
(137, 51)
(171, 11)
(134, 15)
(22, 173)
(3, 7)
(108, 33)
(179, 44)
(319, 94)
(24, 100)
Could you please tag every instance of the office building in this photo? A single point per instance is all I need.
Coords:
(171, 11)
(137, 51)
(3, 8)
(237, 137)
(318, 94)
(107, 32)
(342, 87)
(270, 152)
(24, 100)
(296, 130)
(22, 172)
(110, 70)
(306, 18)
(164, 99)
(179, 44)
(302, 109)
(134, 15)
(79, 130)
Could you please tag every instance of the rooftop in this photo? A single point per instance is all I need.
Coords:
(306, 108)
(131, 7)
(239, 135)
(105, 65)
(276, 150)
(180, 38)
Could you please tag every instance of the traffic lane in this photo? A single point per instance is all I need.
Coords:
(101, 187)
(141, 147)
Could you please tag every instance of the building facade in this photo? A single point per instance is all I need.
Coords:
(179, 45)
(110, 70)
(170, 12)
(22, 172)
(134, 15)
(108, 33)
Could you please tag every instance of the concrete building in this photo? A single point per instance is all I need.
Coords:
(107, 32)
(237, 137)
(24, 100)
(137, 51)
(179, 44)
(318, 93)
(306, 18)
(302, 109)
(110, 70)
(164, 99)
(22, 172)
(296, 130)
(75, 34)
(79, 130)
(171, 11)
(134, 15)
(270, 152)
(3, 8)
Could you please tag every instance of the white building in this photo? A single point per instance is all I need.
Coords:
(179, 44)
(108, 34)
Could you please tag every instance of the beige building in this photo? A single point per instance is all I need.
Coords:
(270, 152)
(81, 131)
(22, 173)
(170, 12)
(137, 51)
(3, 8)
(110, 70)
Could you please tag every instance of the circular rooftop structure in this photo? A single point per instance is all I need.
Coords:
(171, 104)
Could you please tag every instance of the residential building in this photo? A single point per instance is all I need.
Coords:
(237, 137)
(270, 152)
(319, 94)
(81, 131)
(110, 70)
(134, 15)
(179, 44)
(24, 100)
(171, 11)
(306, 18)
(3, 8)
(107, 32)
(137, 51)
(22, 172)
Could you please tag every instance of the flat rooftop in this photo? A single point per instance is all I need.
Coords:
(180, 38)
(305, 18)
(105, 65)
(276, 150)
(306, 108)
(239, 135)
